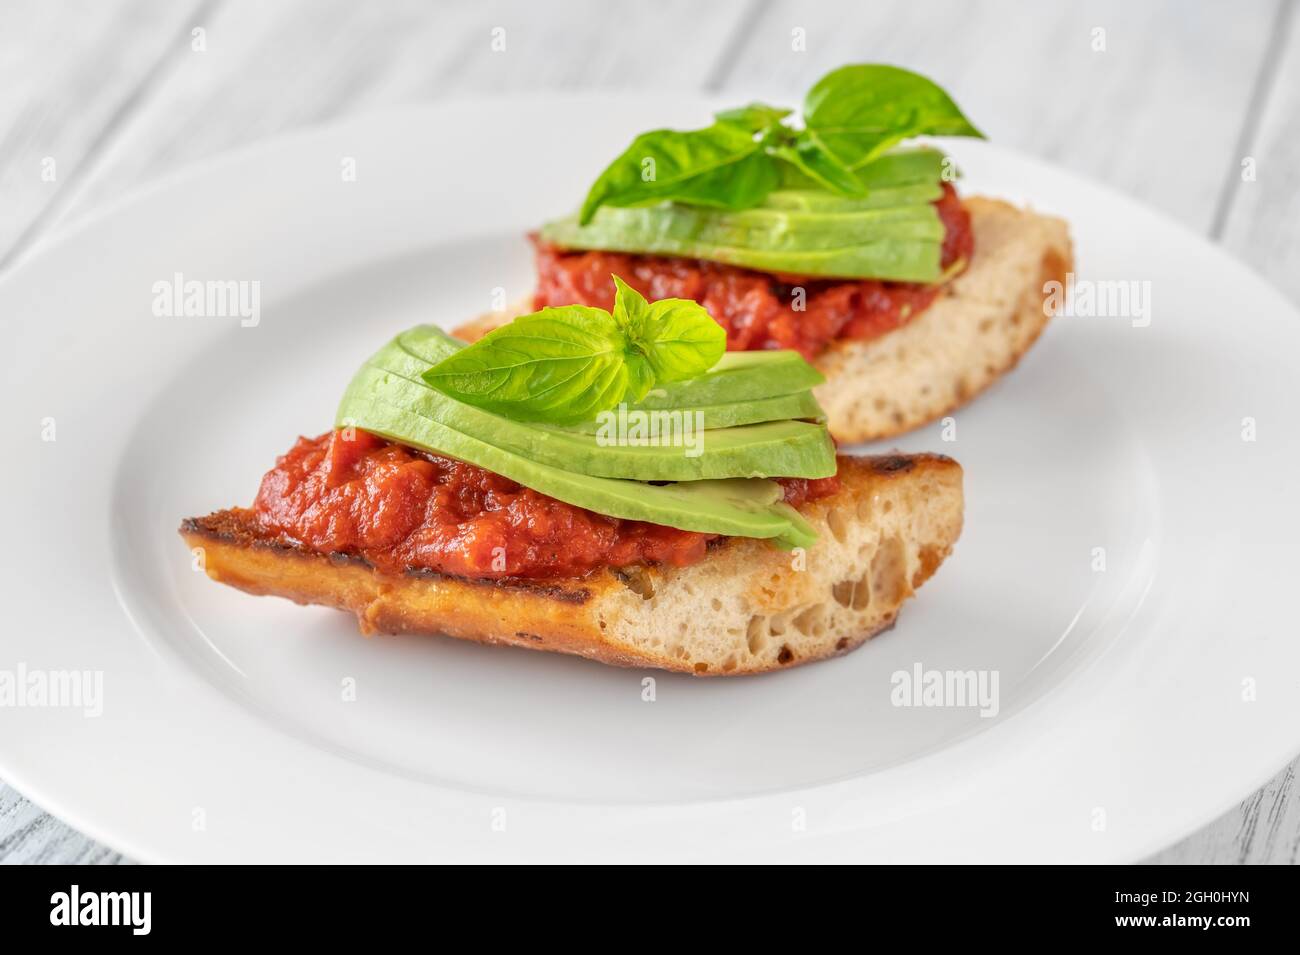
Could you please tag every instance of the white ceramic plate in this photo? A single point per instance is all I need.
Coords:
(1136, 703)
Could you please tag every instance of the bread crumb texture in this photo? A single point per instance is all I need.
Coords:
(975, 332)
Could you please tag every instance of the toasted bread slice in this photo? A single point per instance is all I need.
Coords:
(746, 608)
(976, 331)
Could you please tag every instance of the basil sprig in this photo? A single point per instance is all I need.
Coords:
(565, 365)
(850, 117)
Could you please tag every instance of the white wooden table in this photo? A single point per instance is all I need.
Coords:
(109, 95)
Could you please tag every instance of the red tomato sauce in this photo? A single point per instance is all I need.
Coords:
(756, 308)
(401, 509)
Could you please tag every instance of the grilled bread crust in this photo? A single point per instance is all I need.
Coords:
(746, 608)
(976, 330)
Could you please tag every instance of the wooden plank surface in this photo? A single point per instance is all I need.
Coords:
(28, 835)
(1261, 224)
(1155, 113)
(1179, 96)
(272, 67)
(71, 74)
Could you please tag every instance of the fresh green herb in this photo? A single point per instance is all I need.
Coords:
(755, 117)
(857, 112)
(791, 448)
(851, 117)
(900, 177)
(806, 154)
(566, 365)
(721, 166)
(677, 337)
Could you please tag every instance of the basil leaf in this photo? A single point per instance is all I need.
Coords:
(901, 166)
(566, 365)
(721, 165)
(559, 364)
(756, 117)
(677, 337)
(857, 112)
(820, 165)
(738, 186)
(851, 117)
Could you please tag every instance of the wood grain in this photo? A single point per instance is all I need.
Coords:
(71, 76)
(273, 67)
(30, 836)
(1260, 224)
(1264, 829)
(1155, 114)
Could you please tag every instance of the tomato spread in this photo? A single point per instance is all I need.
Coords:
(756, 308)
(403, 509)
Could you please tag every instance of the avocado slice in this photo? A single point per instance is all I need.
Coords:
(900, 244)
(770, 449)
(742, 388)
(813, 200)
(388, 397)
(800, 406)
(737, 377)
(734, 507)
(893, 232)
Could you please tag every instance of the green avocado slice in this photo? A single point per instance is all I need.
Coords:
(800, 406)
(738, 376)
(771, 449)
(734, 507)
(757, 231)
(893, 232)
(739, 506)
(904, 248)
(813, 200)
(742, 388)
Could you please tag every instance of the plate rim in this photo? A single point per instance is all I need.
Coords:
(51, 244)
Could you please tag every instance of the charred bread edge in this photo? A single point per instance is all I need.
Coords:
(537, 614)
